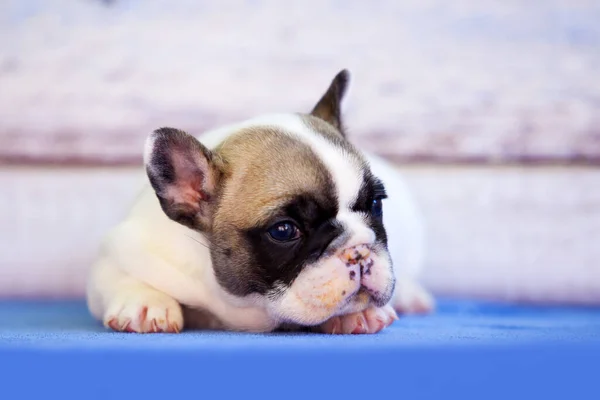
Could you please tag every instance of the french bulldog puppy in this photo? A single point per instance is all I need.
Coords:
(277, 222)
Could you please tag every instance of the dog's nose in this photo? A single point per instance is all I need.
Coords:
(353, 255)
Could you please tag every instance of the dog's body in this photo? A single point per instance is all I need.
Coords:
(271, 223)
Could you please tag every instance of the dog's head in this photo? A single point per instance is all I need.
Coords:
(292, 210)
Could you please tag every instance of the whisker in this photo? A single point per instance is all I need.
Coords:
(236, 266)
(212, 245)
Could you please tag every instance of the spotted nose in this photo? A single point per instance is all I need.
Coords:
(354, 255)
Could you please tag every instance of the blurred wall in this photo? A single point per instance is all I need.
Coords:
(490, 108)
(467, 80)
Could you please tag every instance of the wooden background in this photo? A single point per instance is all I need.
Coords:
(490, 108)
(464, 81)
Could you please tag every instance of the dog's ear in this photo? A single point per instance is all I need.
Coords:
(185, 176)
(329, 106)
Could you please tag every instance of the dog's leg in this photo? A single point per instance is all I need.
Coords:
(411, 298)
(125, 304)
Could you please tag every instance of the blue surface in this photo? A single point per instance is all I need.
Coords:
(466, 350)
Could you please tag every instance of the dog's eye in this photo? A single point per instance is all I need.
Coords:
(284, 232)
(377, 207)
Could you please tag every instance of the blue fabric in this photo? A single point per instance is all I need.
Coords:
(466, 350)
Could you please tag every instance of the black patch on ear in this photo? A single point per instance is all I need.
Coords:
(329, 106)
(184, 175)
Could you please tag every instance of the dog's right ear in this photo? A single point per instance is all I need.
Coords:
(185, 176)
(329, 107)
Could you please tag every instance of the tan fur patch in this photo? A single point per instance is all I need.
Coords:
(265, 168)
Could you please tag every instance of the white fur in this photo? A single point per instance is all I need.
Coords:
(150, 256)
(317, 293)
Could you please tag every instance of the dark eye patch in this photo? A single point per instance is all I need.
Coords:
(282, 261)
(371, 189)
(369, 202)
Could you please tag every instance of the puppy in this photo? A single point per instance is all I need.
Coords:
(274, 223)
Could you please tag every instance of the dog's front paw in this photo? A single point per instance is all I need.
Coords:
(371, 320)
(144, 311)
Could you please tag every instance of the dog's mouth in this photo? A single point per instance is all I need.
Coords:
(362, 299)
(377, 299)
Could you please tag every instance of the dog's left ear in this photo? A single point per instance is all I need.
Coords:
(185, 176)
(329, 107)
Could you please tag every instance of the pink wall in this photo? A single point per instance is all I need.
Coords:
(475, 81)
